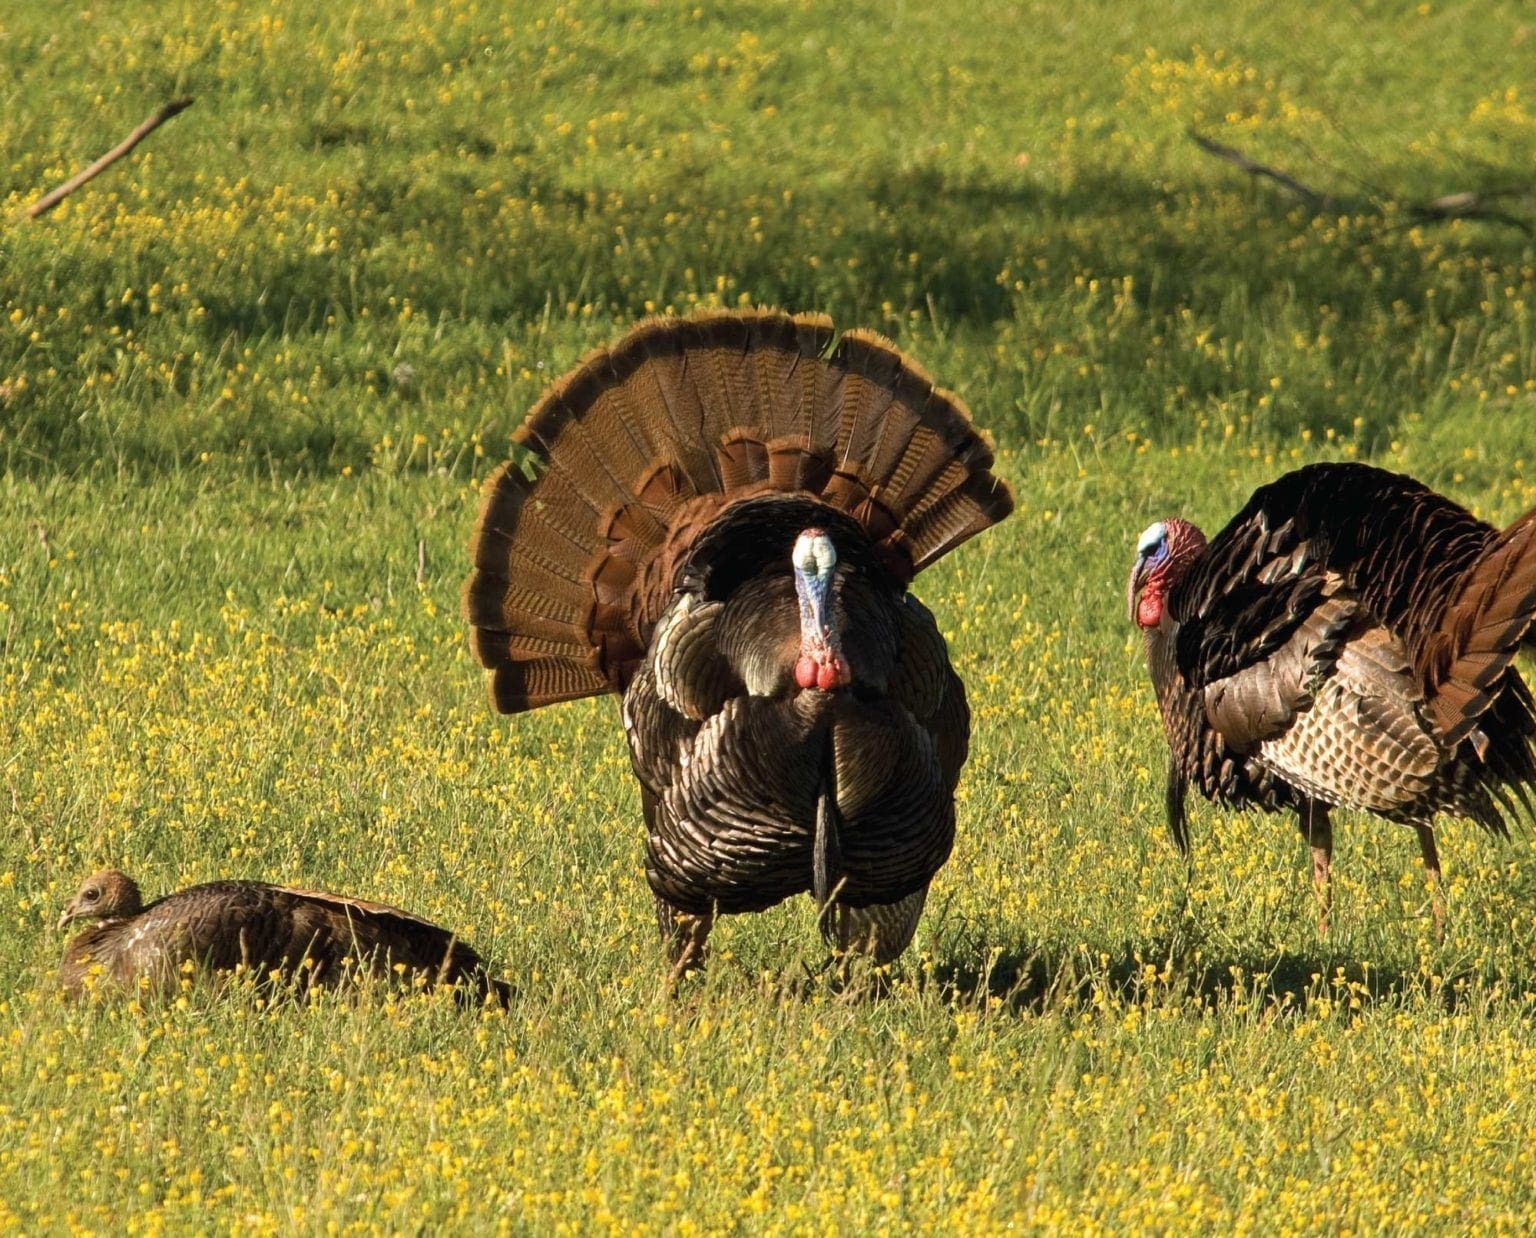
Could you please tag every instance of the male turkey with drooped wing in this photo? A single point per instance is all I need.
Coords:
(306, 936)
(721, 525)
(1348, 640)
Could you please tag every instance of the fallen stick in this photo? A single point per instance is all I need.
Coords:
(1313, 198)
(1469, 205)
(51, 199)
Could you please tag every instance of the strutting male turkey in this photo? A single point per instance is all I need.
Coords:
(720, 522)
(1346, 641)
(310, 938)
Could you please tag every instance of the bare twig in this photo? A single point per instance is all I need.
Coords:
(51, 199)
(1466, 205)
(421, 560)
(1315, 199)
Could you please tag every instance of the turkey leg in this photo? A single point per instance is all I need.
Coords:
(1432, 871)
(684, 936)
(1317, 829)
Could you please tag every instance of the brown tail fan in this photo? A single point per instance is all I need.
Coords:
(1481, 630)
(645, 442)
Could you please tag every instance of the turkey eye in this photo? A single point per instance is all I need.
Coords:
(91, 896)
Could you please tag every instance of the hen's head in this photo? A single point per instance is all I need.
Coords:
(106, 895)
(1164, 553)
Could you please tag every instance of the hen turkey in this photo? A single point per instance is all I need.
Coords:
(1347, 640)
(316, 938)
(720, 522)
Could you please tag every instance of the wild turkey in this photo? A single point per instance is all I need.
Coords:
(721, 525)
(1347, 640)
(315, 938)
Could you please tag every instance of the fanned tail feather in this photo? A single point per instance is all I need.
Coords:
(1481, 631)
(640, 447)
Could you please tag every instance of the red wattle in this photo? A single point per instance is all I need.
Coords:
(806, 673)
(1149, 608)
(827, 677)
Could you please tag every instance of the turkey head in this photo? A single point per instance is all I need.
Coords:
(107, 895)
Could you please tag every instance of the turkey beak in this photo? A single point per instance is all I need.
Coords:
(69, 914)
(1138, 577)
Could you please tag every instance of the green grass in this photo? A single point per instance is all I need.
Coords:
(216, 658)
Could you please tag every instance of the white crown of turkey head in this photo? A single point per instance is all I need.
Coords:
(814, 553)
(1347, 640)
(723, 528)
(224, 926)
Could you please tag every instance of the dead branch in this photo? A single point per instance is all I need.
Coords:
(1464, 205)
(51, 199)
(1314, 199)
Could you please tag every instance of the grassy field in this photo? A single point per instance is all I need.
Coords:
(244, 376)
